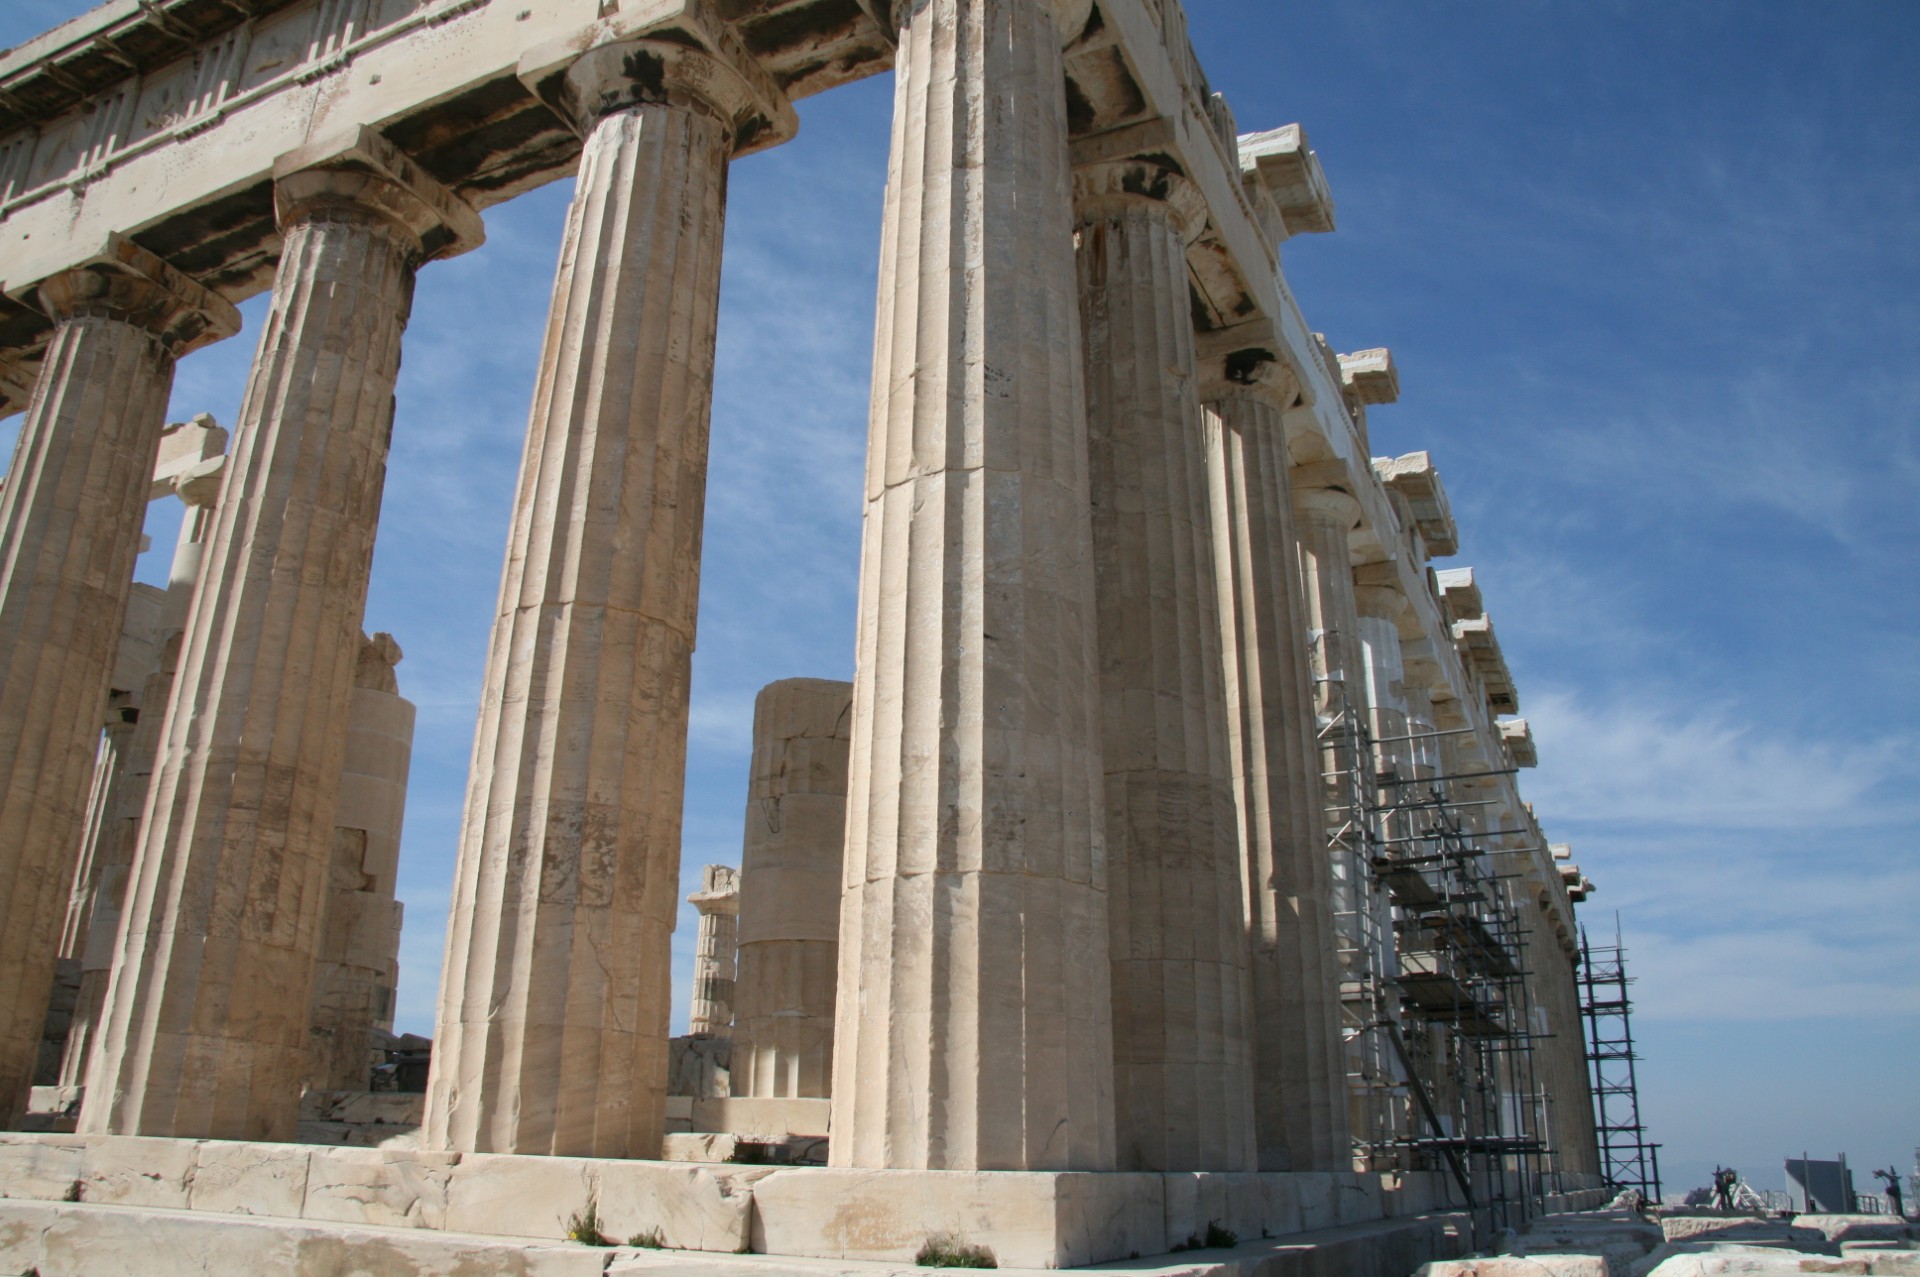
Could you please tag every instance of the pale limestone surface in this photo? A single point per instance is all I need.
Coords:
(208, 1013)
(568, 872)
(70, 518)
(190, 466)
(58, 1240)
(1299, 1079)
(972, 1020)
(357, 967)
(790, 894)
(1182, 1059)
(715, 951)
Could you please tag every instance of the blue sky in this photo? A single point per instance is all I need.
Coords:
(1650, 274)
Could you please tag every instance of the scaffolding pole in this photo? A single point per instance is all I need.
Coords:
(1627, 1159)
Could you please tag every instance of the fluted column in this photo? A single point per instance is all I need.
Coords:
(715, 951)
(70, 520)
(208, 1012)
(973, 1014)
(1384, 688)
(1300, 1107)
(1182, 1061)
(790, 889)
(555, 997)
(97, 915)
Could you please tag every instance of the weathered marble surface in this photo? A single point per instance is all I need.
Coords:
(207, 1029)
(554, 999)
(1299, 1097)
(973, 1021)
(790, 892)
(70, 518)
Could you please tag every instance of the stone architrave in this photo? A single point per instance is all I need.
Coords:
(790, 890)
(1182, 1059)
(357, 968)
(1300, 1107)
(100, 891)
(715, 951)
(972, 1022)
(556, 993)
(207, 1026)
(70, 519)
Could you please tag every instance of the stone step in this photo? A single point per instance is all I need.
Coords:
(79, 1239)
(83, 1239)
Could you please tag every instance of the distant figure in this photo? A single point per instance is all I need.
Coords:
(1892, 1176)
(1724, 1179)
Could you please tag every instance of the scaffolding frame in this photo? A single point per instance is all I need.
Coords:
(1627, 1159)
(1437, 1014)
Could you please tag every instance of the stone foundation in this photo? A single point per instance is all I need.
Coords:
(1028, 1219)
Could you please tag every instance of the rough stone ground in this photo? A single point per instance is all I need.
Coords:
(1698, 1244)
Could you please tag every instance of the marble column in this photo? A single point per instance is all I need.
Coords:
(70, 519)
(556, 993)
(357, 968)
(973, 1018)
(97, 915)
(208, 1016)
(1300, 1106)
(1384, 686)
(716, 951)
(1182, 1060)
(790, 889)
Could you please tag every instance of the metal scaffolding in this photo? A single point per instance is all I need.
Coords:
(1627, 1160)
(1440, 1027)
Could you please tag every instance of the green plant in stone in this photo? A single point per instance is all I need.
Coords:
(584, 1226)
(945, 1250)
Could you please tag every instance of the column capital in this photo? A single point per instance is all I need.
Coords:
(1069, 16)
(719, 891)
(663, 52)
(1109, 186)
(1381, 602)
(123, 281)
(361, 175)
(1327, 505)
(1247, 359)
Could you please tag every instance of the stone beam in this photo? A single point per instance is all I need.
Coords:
(1518, 738)
(1459, 594)
(1413, 476)
(179, 150)
(1370, 377)
(1283, 174)
(1480, 650)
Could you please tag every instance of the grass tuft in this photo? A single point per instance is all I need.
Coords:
(652, 1239)
(945, 1250)
(584, 1226)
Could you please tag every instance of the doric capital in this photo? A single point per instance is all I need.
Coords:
(668, 53)
(359, 175)
(1380, 602)
(1112, 185)
(1247, 359)
(1070, 16)
(1327, 505)
(1284, 171)
(125, 282)
(719, 891)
